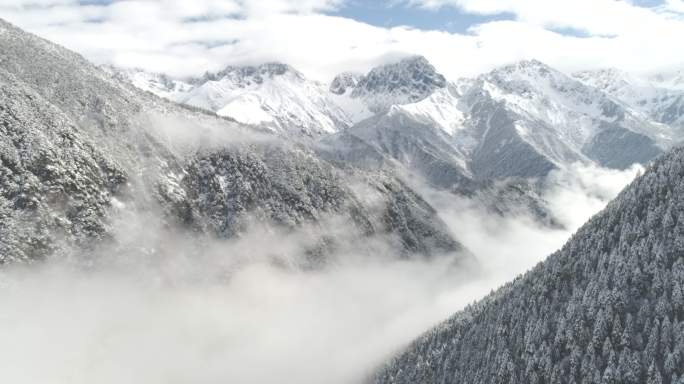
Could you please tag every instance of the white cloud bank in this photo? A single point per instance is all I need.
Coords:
(184, 38)
(264, 325)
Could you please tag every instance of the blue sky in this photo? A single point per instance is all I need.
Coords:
(384, 14)
(450, 19)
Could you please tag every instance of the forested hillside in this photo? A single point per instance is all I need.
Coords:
(607, 308)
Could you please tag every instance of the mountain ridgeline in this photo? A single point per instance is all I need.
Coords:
(521, 120)
(606, 308)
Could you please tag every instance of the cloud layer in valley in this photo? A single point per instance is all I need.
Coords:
(160, 307)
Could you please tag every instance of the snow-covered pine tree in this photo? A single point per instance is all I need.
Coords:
(608, 307)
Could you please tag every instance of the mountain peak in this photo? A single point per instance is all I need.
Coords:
(613, 79)
(524, 75)
(604, 77)
(671, 80)
(415, 71)
(407, 81)
(257, 73)
(531, 63)
(416, 61)
(345, 81)
(527, 66)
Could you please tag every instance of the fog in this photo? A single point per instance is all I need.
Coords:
(159, 307)
(506, 246)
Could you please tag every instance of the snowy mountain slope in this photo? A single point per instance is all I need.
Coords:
(672, 80)
(573, 115)
(658, 98)
(440, 109)
(495, 141)
(521, 120)
(156, 83)
(271, 95)
(406, 81)
(79, 148)
(608, 307)
(280, 98)
(390, 140)
(417, 126)
(527, 118)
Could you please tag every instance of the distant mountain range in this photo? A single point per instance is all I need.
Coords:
(520, 120)
(660, 97)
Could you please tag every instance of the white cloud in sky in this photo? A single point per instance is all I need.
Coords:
(596, 17)
(676, 6)
(187, 38)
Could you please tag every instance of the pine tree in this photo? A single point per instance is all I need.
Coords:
(654, 376)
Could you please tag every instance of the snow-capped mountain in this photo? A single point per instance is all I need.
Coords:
(440, 109)
(660, 98)
(272, 95)
(345, 82)
(520, 120)
(420, 148)
(278, 97)
(407, 81)
(557, 118)
(672, 80)
(416, 120)
(156, 83)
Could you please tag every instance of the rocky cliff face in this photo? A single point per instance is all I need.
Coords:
(406, 81)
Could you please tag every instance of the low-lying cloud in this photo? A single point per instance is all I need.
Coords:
(160, 307)
(506, 246)
(157, 307)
